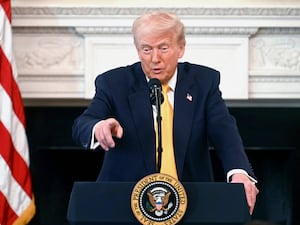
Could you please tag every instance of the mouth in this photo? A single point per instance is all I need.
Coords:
(156, 70)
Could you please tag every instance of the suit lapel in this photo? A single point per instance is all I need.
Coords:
(184, 103)
(142, 115)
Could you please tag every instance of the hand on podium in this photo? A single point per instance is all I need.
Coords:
(251, 190)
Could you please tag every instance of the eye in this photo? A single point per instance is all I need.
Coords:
(146, 50)
(164, 49)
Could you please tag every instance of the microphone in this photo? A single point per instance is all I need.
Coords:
(156, 98)
(155, 91)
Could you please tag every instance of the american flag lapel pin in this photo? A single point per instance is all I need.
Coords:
(189, 97)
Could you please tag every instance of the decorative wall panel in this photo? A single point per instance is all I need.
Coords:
(60, 50)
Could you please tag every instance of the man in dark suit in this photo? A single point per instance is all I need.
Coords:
(121, 119)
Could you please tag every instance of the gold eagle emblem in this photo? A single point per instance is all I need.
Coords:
(159, 202)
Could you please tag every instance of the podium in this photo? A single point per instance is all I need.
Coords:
(108, 203)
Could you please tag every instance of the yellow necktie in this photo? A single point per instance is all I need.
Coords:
(168, 165)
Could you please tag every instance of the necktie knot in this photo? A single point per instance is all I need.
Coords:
(165, 88)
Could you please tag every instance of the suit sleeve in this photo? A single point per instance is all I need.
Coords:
(223, 132)
(98, 109)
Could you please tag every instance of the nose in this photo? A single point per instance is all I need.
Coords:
(155, 56)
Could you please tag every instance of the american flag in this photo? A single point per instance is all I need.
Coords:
(16, 197)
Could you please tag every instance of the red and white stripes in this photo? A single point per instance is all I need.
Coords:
(16, 198)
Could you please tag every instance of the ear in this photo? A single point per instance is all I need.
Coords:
(181, 51)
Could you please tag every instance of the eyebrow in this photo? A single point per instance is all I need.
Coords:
(160, 45)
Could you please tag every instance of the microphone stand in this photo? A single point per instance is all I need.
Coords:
(158, 120)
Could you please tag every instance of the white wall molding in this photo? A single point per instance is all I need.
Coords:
(280, 87)
(255, 11)
(189, 30)
(60, 49)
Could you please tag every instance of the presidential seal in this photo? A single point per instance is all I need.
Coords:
(158, 199)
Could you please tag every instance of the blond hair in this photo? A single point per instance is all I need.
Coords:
(158, 23)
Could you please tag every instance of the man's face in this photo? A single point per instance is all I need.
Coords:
(159, 55)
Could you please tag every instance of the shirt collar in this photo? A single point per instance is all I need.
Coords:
(172, 81)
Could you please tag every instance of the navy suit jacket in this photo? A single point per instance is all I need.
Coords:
(199, 122)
